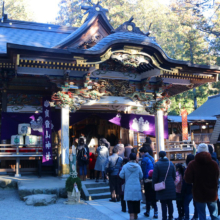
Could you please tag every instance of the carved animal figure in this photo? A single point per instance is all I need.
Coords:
(140, 96)
(91, 94)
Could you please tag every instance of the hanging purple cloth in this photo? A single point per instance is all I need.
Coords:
(139, 123)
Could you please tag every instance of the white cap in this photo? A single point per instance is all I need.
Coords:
(202, 148)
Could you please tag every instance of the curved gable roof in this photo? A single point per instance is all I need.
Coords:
(84, 28)
(210, 108)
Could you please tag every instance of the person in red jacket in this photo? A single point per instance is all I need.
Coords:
(92, 161)
(203, 173)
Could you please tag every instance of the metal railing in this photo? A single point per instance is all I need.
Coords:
(10, 149)
(198, 137)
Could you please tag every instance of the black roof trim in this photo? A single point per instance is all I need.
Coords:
(37, 26)
(80, 52)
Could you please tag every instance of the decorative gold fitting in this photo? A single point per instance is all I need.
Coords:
(65, 169)
(80, 60)
(106, 55)
(132, 49)
(18, 59)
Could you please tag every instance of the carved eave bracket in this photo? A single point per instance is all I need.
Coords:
(161, 104)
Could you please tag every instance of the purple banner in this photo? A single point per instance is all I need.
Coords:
(47, 134)
(140, 123)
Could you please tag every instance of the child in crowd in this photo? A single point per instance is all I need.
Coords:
(179, 196)
(151, 195)
(122, 185)
(92, 161)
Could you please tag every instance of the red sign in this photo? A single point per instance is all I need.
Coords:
(184, 124)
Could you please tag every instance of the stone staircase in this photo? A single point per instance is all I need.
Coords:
(93, 190)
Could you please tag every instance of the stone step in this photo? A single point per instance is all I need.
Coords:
(95, 185)
(98, 190)
(100, 196)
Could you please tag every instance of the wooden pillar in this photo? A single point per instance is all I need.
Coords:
(159, 125)
(65, 141)
(131, 137)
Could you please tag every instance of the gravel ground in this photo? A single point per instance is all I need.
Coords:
(12, 208)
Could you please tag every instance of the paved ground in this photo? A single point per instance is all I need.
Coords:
(113, 210)
(12, 208)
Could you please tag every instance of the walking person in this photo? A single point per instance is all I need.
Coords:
(82, 158)
(132, 174)
(187, 193)
(113, 164)
(203, 173)
(164, 170)
(103, 154)
(147, 164)
(179, 196)
(122, 187)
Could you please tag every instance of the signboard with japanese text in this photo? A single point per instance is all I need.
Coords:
(47, 134)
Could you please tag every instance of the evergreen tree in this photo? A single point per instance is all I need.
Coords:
(18, 10)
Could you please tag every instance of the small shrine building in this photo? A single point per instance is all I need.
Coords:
(52, 77)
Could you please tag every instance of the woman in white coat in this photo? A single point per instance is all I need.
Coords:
(132, 174)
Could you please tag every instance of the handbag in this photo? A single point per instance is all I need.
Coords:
(111, 169)
(161, 186)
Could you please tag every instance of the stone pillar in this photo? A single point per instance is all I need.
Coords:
(159, 124)
(65, 141)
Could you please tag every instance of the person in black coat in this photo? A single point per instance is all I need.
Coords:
(187, 193)
(169, 193)
(82, 158)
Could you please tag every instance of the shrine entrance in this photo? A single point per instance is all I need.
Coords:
(94, 69)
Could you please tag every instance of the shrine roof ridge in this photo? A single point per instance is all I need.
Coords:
(210, 108)
(29, 25)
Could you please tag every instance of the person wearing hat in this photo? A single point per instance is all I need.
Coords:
(147, 164)
(161, 168)
(203, 173)
(132, 174)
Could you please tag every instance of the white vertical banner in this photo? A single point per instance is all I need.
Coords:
(160, 131)
(65, 135)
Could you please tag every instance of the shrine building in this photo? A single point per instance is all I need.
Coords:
(57, 83)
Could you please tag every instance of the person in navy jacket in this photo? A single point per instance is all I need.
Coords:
(147, 164)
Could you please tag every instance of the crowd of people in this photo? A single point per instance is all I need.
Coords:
(128, 170)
